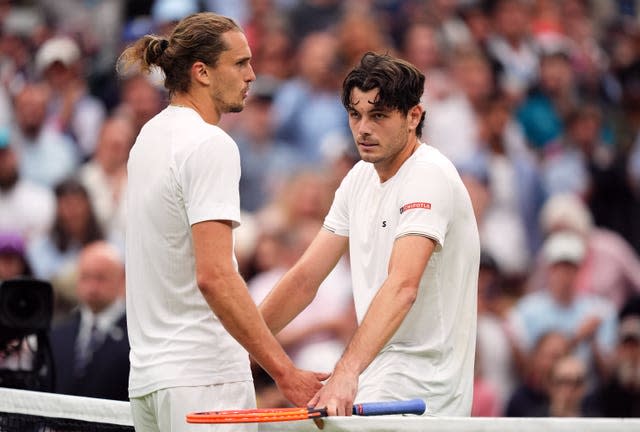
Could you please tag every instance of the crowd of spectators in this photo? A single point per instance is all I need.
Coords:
(537, 103)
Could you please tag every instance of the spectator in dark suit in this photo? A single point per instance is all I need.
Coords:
(91, 348)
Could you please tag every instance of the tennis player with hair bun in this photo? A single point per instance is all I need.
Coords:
(406, 218)
(191, 320)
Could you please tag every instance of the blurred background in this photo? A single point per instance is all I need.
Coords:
(536, 102)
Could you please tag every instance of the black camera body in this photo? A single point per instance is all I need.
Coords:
(26, 307)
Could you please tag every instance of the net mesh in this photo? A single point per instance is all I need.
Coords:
(14, 422)
(29, 411)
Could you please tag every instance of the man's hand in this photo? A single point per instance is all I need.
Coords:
(338, 393)
(298, 386)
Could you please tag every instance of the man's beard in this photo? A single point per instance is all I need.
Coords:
(235, 108)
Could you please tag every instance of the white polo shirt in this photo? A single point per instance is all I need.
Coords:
(431, 356)
(181, 171)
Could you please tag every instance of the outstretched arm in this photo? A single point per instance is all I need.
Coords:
(228, 296)
(387, 311)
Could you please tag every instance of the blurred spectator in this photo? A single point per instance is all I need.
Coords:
(515, 189)
(140, 99)
(486, 401)
(546, 25)
(568, 388)
(452, 125)
(13, 259)
(265, 160)
(359, 31)
(307, 107)
(306, 195)
(588, 320)
(274, 56)
(478, 22)
(166, 13)
(420, 46)
(105, 176)
(310, 16)
(26, 208)
(588, 58)
(54, 255)
(46, 155)
(91, 348)
(96, 25)
(72, 109)
(531, 398)
(584, 164)
(543, 112)
(452, 29)
(496, 366)
(257, 18)
(610, 268)
(619, 394)
(512, 47)
(569, 163)
(20, 27)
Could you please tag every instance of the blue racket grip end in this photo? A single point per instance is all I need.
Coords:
(413, 406)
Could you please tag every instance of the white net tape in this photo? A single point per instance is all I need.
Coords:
(98, 410)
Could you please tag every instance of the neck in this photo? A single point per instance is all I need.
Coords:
(203, 106)
(387, 170)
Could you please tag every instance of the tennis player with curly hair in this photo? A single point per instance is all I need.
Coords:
(406, 219)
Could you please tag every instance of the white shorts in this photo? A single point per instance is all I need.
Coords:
(166, 410)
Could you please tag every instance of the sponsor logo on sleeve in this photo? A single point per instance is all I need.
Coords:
(415, 205)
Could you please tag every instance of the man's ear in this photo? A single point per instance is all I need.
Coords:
(200, 73)
(415, 115)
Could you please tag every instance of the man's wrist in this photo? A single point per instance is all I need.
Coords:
(280, 368)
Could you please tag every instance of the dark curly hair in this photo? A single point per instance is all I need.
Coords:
(400, 84)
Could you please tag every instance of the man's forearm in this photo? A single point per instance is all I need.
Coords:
(385, 315)
(288, 298)
(229, 299)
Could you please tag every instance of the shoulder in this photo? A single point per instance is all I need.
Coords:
(429, 164)
(426, 155)
(360, 171)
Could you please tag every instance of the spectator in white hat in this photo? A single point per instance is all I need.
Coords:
(73, 109)
(610, 268)
(588, 320)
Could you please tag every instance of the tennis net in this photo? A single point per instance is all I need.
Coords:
(29, 411)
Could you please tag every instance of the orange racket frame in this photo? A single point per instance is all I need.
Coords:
(263, 415)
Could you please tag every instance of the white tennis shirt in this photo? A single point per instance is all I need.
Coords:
(181, 171)
(431, 356)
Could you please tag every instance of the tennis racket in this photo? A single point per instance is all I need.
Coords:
(263, 415)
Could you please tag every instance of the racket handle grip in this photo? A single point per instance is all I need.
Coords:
(413, 406)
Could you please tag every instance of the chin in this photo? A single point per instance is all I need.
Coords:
(236, 108)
